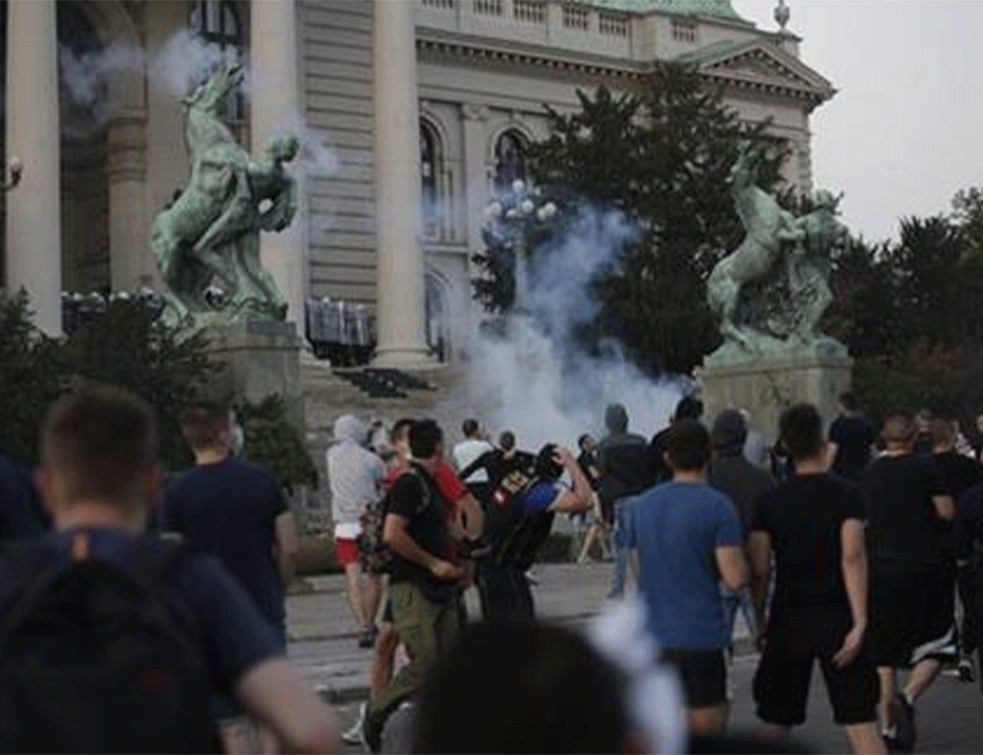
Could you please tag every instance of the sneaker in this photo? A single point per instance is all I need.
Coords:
(966, 671)
(532, 578)
(367, 638)
(905, 720)
(354, 735)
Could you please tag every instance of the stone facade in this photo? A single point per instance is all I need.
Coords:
(483, 71)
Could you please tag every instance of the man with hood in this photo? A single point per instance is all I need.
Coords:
(624, 464)
(743, 482)
(355, 476)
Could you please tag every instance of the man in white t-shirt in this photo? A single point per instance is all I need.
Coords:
(355, 475)
(468, 451)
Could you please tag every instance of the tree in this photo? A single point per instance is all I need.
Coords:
(663, 158)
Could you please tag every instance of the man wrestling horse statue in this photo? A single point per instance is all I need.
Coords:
(768, 228)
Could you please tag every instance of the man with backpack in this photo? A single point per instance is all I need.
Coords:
(235, 511)
(424, 583)
(114, 640)
(465, 522)
(519, 520)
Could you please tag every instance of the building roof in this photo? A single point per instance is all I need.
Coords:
(711, 8)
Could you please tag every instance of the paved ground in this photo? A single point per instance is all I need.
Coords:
(324, 646)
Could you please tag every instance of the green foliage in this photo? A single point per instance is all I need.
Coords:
(904, 309)
(129, 347)
(29, 375)
(663, 158)
(273, 442)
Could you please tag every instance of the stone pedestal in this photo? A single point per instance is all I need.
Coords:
(261, 358)
(765, 388)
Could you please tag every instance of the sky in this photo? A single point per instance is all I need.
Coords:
(905, 129)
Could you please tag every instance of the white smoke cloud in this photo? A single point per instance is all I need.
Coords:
(535, 379)
(183, 62)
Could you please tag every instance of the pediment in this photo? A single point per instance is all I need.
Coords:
(761, 64)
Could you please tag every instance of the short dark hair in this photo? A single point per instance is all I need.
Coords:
(582, 440)
(689, 407)
(688, 446)
(100, 440)
(425, 438)
(899, 427)
(506, 440)
(801, 430)
(550, 672)
(203, 422)
(401, 429)
(546, 466)
(616, 418)
(848, 399)
(470, 428)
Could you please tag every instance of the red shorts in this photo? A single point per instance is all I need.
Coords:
(347, 551)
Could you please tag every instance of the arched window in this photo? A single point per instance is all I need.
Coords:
(428, 177)
(437, 318)
(510, 160)
(217, 23)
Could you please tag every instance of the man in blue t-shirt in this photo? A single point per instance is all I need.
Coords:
(99, 477)
(686, 538)
(235, 511)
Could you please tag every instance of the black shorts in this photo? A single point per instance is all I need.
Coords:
(703, 674)
(794, 641)
(911, 617)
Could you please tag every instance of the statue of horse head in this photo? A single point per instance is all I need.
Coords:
(216, 88)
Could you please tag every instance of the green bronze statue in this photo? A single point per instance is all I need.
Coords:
(209, 235)
(770, 293)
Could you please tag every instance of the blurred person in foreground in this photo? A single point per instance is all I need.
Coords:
(189, 622)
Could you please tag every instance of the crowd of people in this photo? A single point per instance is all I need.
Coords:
(145, 614)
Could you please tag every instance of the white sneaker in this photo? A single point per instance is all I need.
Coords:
(354, 735)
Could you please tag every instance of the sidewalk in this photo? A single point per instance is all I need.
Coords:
(323, 639)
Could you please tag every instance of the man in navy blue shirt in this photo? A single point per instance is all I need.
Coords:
(686, 538)
(236, 512)
(98, 478)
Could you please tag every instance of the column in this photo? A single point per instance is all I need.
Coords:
(131, 261)
(34, 207)
(275, 108)
(400, 288)
(475, 118)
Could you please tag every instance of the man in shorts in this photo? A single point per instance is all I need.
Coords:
(99, 478)
(813, 523)
(911, 620)
(685, 539)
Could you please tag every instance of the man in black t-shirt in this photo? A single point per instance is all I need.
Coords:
(423, 582)
(911, 606)
(813, 523)
(851, 440)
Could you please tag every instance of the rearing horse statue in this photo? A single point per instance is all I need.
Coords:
(768, 228)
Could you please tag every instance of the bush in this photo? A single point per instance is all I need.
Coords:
(129, 347)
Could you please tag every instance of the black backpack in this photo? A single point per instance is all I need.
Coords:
(513, 537)
(101, 658)
(373, 554)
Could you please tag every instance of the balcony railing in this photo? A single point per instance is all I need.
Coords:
(563, 24)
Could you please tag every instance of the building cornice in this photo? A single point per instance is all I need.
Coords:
(461, 47)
